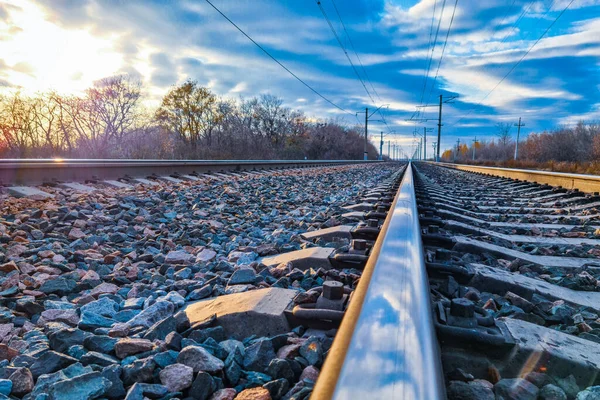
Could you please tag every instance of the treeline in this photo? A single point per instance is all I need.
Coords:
(580, 144)
(110, 121)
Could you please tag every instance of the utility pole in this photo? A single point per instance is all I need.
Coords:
(381, 146)
(518, 132)
(474, 145)
(439, 130)
(366, 131)
(457, 149)
(367, 116)
(389, 155)
(424, 143)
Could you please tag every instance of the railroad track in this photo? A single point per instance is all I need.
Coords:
(382, 280)
(19, 175)
(513, 293)
(215, 285)
(513, 269)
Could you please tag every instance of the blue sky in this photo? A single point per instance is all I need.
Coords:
(67, 44)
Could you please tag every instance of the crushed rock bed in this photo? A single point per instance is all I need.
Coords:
(92, 286)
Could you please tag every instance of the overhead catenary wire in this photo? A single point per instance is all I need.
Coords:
(432, 51)
(354, 49)
(443, 51)
(277, 61)
(516, 64)
(344, 49)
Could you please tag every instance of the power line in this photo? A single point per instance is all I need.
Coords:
(354, 49)
(432, 51)
(277, 61)
(517, 63)
(343, 49)
(443, 50)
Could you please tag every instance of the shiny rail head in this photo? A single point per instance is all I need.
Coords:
(388, 346)
(583, 182)
(39, 171)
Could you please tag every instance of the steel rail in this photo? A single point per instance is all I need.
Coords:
(38, 171)
(386, 346)
(583, 182)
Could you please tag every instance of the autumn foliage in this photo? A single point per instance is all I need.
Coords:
(575, 149)
(109, 120)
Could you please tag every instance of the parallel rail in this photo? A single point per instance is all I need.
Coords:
(38, 171)
(585, 183)
(386, 346)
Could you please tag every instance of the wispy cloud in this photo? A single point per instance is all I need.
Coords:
(67, 44)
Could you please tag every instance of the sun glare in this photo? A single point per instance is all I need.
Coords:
(41, 55)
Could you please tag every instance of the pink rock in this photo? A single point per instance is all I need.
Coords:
(53, 315)
(224, 394)
(26, 268)
(22, 380)
(119, 330)
(16, 250)
(7, 353)
(9, 266)
(46, 254)
(205, 255)
(127, 347)
(177, 377)
(257, 393)
(309, 372)
(5, 329)
(91, 275)
(76, 233)
(103, 288)
(289, 351)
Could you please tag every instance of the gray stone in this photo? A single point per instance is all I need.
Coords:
(138, 371)
(242, 276)
(280, 368)
(165, 358)
(258, 355)
(92, 321)
(200, 335)
(458, 390)
(203, 387)
(104, 306)
(141, 391)
(100, 343)
(161, 329)
(93, 357)
(312, 351)
(552, 392)
(199, 359)
(59, 286)
(590, 393)
(277, 388)
(569, 385)
(50, 361)
(62, 339)
(84, 387)
(515, 389)
(153, 314)
(113, 374)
